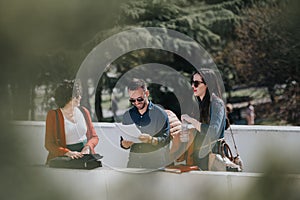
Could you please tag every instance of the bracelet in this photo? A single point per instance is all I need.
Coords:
(150, 140)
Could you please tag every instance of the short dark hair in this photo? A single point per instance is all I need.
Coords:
(136, 83)
(66, 91)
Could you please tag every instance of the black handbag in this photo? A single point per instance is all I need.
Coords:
(88, 161)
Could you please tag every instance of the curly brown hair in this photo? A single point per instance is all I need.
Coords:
(65, 91)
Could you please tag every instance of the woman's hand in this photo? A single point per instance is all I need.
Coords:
(86, 150)
(190, 120)
(74, 154)
(187, 118)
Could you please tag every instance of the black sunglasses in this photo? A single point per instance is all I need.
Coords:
(197, 83)
(139, 99)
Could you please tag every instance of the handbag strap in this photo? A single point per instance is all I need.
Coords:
(57, 127)
(84, 114)
(237, 153)
(226, 151)
(85, 117)
(215, 142)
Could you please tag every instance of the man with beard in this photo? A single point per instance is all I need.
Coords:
(152, 121)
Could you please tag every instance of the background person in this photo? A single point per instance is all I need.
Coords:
(250, 114)
(229, 110)
(153, 122)
(75, 134)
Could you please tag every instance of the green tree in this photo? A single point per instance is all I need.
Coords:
(42, 43)
(265, 53)
(216, 25)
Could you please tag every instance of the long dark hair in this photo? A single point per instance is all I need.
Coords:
(210, 79)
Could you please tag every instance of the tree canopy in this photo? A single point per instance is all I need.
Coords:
(45, 42)
(246, 38)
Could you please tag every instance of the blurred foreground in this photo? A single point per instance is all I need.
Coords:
(23, 175)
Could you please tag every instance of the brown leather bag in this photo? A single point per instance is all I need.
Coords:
(223, 160)
(180, 168)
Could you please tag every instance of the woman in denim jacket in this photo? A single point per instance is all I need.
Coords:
(210, 125)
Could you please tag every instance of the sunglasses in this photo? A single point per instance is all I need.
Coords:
(197, 83)
(76, 96)
(139, 99)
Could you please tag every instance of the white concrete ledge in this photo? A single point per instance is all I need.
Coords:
(254, 144)
(257, 145)
(106, 184)
(265, 128)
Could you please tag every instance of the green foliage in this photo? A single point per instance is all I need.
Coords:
(208, 24)
(45, 42)
(238, 33)
(42, 44)
(265, 53)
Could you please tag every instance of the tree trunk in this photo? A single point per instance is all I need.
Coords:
(98, 102)
(21, 100)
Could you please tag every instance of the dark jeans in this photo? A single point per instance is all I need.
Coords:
(202, 162)
(76, 147)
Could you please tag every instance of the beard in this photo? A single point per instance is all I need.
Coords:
(142, 106)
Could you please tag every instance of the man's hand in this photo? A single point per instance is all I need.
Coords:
(126, 144)
(145, 138)
(175, 123)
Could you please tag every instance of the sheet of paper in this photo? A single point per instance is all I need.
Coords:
(129, 132)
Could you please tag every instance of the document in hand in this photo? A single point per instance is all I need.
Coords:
(129, 132)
